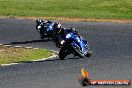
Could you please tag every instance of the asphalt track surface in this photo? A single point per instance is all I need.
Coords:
(111, 59)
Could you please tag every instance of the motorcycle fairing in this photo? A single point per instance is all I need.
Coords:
(79, 43)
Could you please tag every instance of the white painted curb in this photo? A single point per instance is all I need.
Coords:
(9, 64)
(43, 59)
(53, 56)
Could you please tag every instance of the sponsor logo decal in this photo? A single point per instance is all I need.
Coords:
(85, 80)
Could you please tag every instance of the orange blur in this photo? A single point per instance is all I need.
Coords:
(84, 73)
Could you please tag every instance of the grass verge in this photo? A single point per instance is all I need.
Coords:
(13, 55)
(96, 9)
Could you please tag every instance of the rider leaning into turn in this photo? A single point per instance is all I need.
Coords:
(47, 24)
(57, 29)
(60, 31)
(44, 26)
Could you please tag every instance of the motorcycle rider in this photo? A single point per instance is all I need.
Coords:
(44, 26)
(59, 31)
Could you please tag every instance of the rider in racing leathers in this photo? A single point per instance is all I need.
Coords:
(44, 27)
(60, 31)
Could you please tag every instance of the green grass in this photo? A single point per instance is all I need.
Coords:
(117, 9)
(12, 55)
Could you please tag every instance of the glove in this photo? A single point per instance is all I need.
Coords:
(74, 30)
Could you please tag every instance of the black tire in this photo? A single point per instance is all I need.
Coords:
(42, 32)
(41, 36)
(89, 54)
(62, 53)
(78, 52)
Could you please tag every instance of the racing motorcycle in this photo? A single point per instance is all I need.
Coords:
(74, 44)
(44, 28)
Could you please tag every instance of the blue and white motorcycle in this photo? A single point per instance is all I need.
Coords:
(74, 44)
(44, 28)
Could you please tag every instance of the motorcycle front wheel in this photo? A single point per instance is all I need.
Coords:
(78, 52)
(63, 53)
(89, 54)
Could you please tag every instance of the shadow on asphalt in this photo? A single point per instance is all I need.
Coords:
(26, 42)
(40, 61)
(50, 60)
